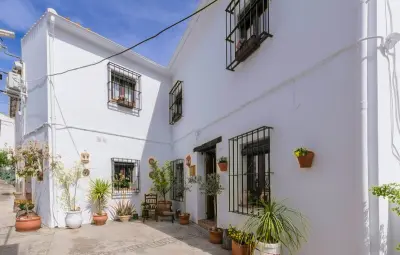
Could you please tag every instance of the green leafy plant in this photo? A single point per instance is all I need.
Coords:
(277, 223)
(223, 160)
(211, 186)
(68, 179)
(99, 192)
(25, 208)
(162, 177)
(240, 237)
(391, 192)
(124, 208)
(301, 152)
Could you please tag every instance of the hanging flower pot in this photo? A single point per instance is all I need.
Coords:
(305, 157)
(223, 164)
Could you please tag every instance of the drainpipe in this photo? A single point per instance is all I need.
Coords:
(369, 116)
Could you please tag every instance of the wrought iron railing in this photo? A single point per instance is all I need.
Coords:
(175, 103)
(178, 183)
(249, 171)
(247, 26)
(125, 177)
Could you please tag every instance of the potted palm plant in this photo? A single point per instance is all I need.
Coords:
(68, 180)
(275, 225)
(99, 192)
(124, 210)
(211, 186)
(305, 157)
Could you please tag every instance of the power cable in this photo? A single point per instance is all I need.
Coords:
(134, 46)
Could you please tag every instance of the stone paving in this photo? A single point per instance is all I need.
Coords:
(113, 238)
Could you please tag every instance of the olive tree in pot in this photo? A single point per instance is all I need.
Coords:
(162, 178)
(211, 186)
(99, 192)
(275, 225)
(68, 180)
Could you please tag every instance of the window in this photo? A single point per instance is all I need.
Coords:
(125, 176)
(249, 171)
(124, 87)
(175, 103)
(247, 26)
(178, 180)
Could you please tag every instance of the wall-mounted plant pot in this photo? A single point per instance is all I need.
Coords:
(223, 166)
(307, 160)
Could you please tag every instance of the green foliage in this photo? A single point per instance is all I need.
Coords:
(211, 186)
(240, 237)
(99, 192)
(124, 208)
(25, 208)
(275, 223)
(4, 160)
(223, 160)
(300, 152)
(68, 179)
(162, 177)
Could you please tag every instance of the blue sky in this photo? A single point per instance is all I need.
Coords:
(123, 21)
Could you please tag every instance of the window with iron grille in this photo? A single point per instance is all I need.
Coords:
(175, 103)
(249, 171)
(178, 180)
(124, 87)
(247, 26)
(125, 176)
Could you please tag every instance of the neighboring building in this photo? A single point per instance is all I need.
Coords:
(7, 131)
(302, 80)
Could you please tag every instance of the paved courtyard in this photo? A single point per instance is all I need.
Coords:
(113, 238)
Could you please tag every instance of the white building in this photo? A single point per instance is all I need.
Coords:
(320, 82)
(7, 131)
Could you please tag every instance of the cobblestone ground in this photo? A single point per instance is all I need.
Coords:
(161, 238)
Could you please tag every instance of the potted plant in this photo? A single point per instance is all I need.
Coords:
(162, 178)
(184, 218)
(124, 210)
(145, 209)
(27, 219)
(305, 157)
(68, 180)
(99, 192)
(275, 225)
(242, 242)
(223, 164)
(211, 186)
(135, 215)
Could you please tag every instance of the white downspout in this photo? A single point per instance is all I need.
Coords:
(369, 115)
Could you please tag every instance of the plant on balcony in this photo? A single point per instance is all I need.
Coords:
(275, 225)
(68, 180)
(223, 163)
(121, 181)
(391, 192)
(211, 186)
(27, 219)
(246, 47)
(99, 192)
(305, 157)
(162, 178)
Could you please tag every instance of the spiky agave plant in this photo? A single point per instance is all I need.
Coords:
(277, 223)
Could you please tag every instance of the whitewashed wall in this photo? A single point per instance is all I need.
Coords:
(104, 132)
(305, 83)
(7, 131)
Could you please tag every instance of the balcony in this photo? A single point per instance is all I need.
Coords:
(247, 26)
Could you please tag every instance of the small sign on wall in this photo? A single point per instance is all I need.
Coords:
(192, 170)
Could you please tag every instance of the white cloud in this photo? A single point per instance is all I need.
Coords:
(18, 15)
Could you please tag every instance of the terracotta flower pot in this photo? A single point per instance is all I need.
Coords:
(27, 223)
(100, 220)
(124, 218)
(216, 236)
(184, 219)
(307, 160)
(240, 249)
(223, 166)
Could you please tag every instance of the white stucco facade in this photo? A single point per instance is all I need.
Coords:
(7, 131)
(319, 83)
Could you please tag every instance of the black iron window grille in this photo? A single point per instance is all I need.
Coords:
(249, 171)
(124, 87)
(175, 103)
(178, 183)
(125, 177)
(247, 26)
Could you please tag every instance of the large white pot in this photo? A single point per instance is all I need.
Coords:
(268, 249)
(73, 219)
